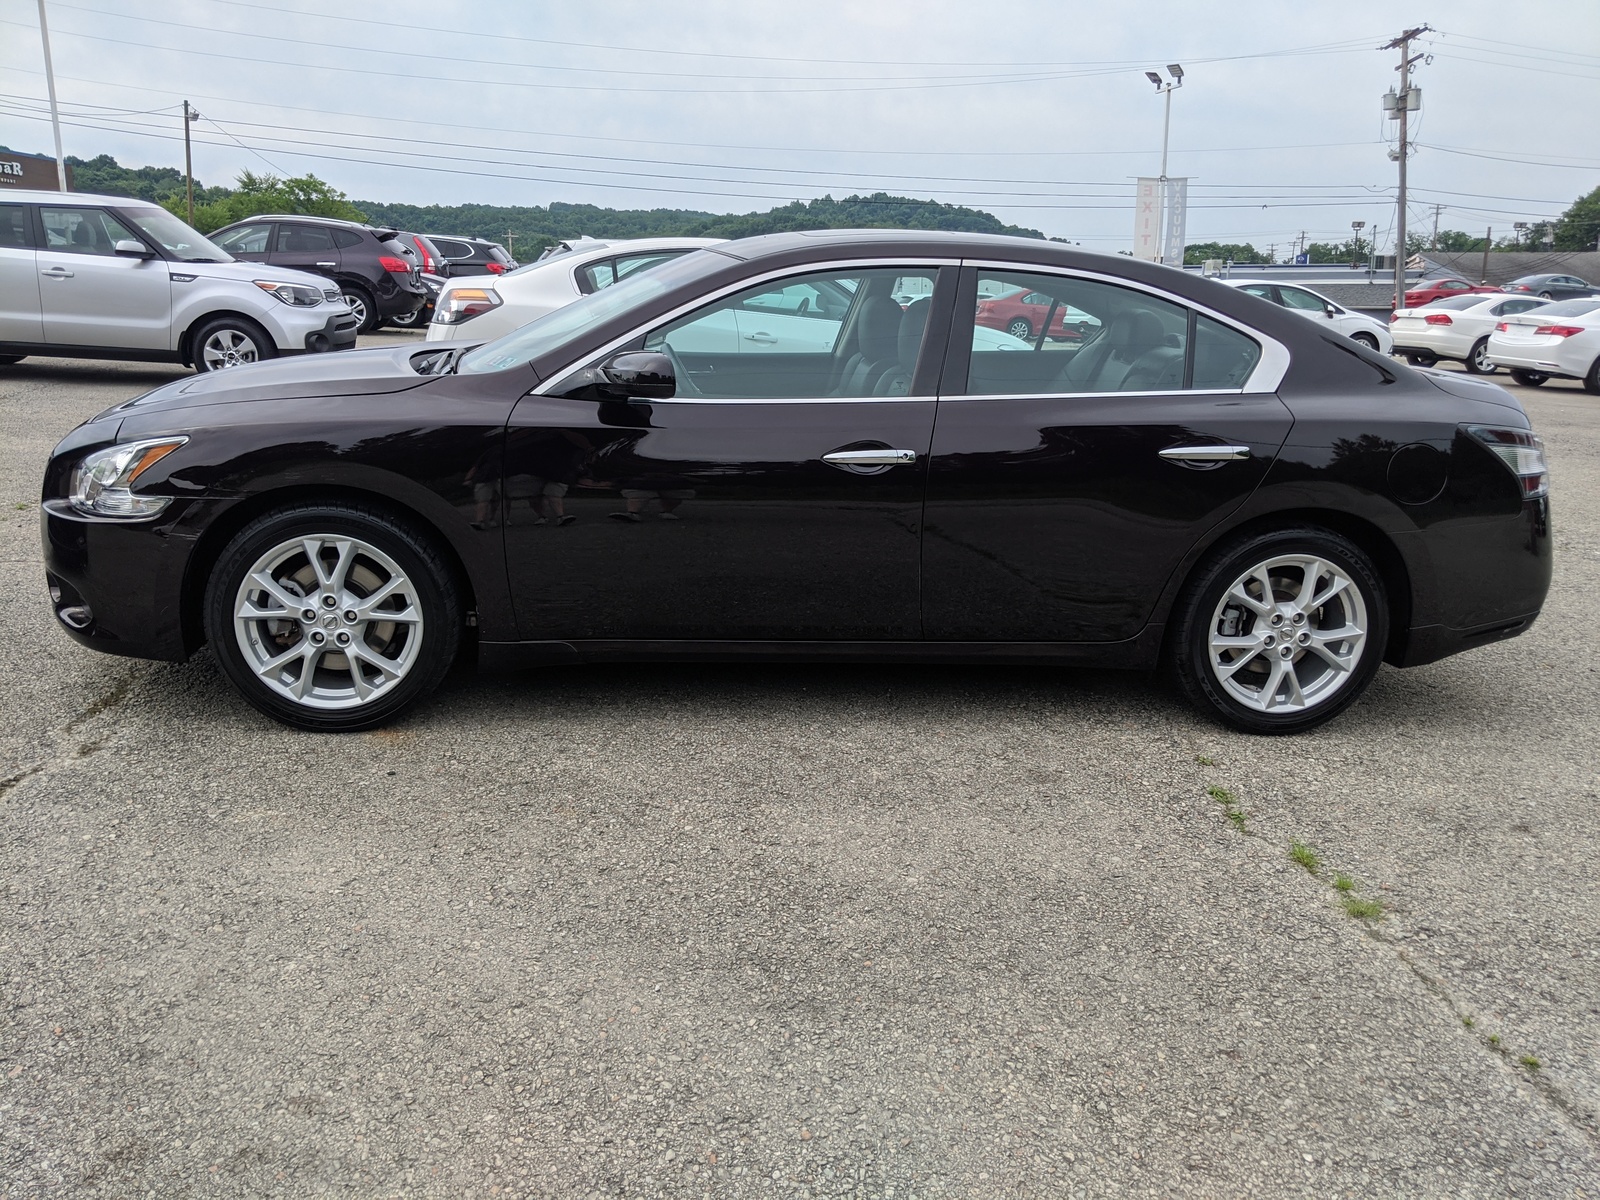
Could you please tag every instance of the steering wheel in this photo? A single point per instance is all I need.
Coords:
(686, 386)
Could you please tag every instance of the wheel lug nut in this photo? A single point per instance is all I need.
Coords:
(342, 638)
(1286, 651)
(1269, 641)
(329, 601)
(317, 637)
(350, 616)
(1277, 618)
(308, 614)
(1305, 639)
(1299, 618)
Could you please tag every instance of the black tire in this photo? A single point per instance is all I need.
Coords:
(7, 360)
(1547, 295)
(1021, 328)
(1366, 339)
(430, 587)
(227, 341)
(1530, 378)
(1478, 358)
(363, 305)
(1189, 650)
(1421, 360)
(1591, 381)
(412, 320)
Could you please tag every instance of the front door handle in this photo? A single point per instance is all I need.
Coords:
(327, 264)
(1205, 454)
(870, 458)
(764, 339)
(56, 273)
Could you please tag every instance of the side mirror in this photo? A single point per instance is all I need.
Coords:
(1329, 311)
(638, 375)
(132, 249)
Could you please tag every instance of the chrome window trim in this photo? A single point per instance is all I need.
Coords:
(559, 377)
(1266, 377)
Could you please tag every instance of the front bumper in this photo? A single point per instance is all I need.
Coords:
(117, 586)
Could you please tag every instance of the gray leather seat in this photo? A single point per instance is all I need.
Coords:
(1107, 363)
(896, 381)
(878, 347)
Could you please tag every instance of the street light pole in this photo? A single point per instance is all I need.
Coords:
(50, 83)
(1166, 89)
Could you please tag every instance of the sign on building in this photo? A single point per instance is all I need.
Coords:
(30, 171)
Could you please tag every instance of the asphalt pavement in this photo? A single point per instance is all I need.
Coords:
(876, 931)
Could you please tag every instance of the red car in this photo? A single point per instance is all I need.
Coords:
(1023, 314)
(1433, 289)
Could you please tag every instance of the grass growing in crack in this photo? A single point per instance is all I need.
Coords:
(1529, 1061)
(1467, 1021)
(1494, 1039)
(1305, 856)
(1205, 760)
(1363, 909)
(1230, 805)
(1343, 883)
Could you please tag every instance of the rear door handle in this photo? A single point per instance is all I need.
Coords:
(870, 458)
(1205, 454)
(56, 273)
(327, 264)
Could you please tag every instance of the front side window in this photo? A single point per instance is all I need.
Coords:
(1113, 339)
(246, 239)
(1304, 301)
(180, 240)
(84, 231)
(833, 333)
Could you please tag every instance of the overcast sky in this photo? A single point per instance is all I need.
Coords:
(1038, 112)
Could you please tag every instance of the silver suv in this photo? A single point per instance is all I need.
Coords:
(107, 277)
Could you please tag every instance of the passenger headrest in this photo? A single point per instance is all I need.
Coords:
(879, 329)
(912, 324)
(1137, 328)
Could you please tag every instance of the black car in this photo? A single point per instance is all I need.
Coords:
(1553, 287)
(473, 256)
(1207, 483)
(375, 270)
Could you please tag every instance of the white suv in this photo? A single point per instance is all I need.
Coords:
(107, 277)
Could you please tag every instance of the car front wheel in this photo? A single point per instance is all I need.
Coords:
(1020, 328)
(1478, 358)
(332, 617)
(1366, 339)
(224, 342)
(1280, 632)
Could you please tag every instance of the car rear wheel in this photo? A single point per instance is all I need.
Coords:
(1547, 295)
(361, 305)
(1421, 360)
(224, 342)
(1591, 381)
(1366, 339)
(1021, 328)
(1280, 632)
(1530, 378)
(332, 617)
(1478, 358)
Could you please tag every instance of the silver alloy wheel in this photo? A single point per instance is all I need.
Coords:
(228, 348)
(1366, 339)
(1020, 329)
(358, 308)
(328, 621)
(1480, 359)
(1288, 634)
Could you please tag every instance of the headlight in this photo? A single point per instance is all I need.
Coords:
(101, 483)
(462, 304)
(297, 294)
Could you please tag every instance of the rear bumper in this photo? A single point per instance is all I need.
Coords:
(1546, 360)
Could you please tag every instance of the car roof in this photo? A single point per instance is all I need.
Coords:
(34, 196)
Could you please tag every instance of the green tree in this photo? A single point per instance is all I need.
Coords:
(266, 194)
(1240, 252)
(1348, 251)
(1579, 227)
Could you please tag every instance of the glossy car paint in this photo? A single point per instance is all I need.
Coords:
(1430, 290)
(1050, 527)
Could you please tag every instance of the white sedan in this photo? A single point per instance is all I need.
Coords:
(484, 307)
(1456, 327)
(1358, 327)
(1556, 341)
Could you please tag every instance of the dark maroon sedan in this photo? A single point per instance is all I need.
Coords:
(1206, 483)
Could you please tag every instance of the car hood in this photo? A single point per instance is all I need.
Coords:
(345, 373)
(247, 272)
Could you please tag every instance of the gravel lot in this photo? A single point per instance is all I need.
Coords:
(780, 931)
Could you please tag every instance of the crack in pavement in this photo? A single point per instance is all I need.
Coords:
(61, 753)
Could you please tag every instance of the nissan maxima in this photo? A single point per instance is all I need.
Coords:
(1206, 483)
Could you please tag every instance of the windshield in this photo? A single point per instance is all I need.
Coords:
(554, 330)
(180, 241)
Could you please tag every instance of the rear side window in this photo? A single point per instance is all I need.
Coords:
(14, 231)
(304, 239)
(346, 239)
(1223, 357)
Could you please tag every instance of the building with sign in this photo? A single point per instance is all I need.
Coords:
(30, 171)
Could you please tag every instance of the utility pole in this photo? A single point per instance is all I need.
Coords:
(511, 247)
(1405, 103)
(189, 117)
(1488, 239)
(55, 113)
(1433, 244)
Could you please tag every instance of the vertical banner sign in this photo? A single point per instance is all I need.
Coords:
(1147, 220)
(1177, 212)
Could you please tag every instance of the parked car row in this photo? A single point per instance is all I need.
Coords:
(1534, 338)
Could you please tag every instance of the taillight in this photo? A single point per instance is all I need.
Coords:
(1559, 330)
(1502, 327)
(1523, 451)
(462, 304)
(395, 266)
(496, 268)
(427, 259)
(1439, 319)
